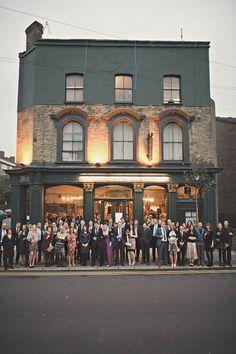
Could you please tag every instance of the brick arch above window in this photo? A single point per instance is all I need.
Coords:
(71, 111)
(173, 112)
(124, 112)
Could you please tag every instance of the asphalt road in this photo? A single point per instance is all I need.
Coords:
(143, 314)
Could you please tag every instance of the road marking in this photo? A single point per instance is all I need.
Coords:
(113, 273)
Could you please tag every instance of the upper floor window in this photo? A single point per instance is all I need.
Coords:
(74, 88)
(172, 142)
(73, 144)
(123, 88)
(171, 89)
(123, 142)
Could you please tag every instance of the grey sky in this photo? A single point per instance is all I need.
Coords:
(210, 20)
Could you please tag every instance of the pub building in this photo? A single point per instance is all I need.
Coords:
(106, 128)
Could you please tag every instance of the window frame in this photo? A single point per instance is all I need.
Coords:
(172, 143)
(182, 122)
(123, 88)
(60, 124)
(172, 101)
(74, 88)
(72, 142)
(135, 125)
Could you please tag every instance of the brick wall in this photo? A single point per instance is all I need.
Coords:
(43, 137)
(226, 150)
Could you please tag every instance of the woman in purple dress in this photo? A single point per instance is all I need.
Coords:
(107, 245)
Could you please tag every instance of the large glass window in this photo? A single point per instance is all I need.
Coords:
(171, 89)
(123, 142)
(123, 88)
(74, 88)
(63, 201)
(154, 202)
(172, 142)
(73, 145)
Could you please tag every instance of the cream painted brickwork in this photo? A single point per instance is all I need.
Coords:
(37, 132)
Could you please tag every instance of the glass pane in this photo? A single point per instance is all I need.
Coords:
(70, 95)
(119, 95)
(118, 150)
(128, 132)
(175, 82)
(167, 134)
(176, 96)
(128, 96)
(177, 133)
(154, 202)
(78, 95)
(119, 82)
(67, 130)
(167, 96)
(77, 156)
(167, 83)
(66, 156)
(77, 128)
(128, 151)
(128, 82)
(78, 81)
(177, 151)
(77, 137)
(77, 146)
(118, 132)
(167, 151)
(70, 81)
(67, 146)
(113, 192)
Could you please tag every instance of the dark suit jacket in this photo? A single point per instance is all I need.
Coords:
(146, 236)
(8, 244)
(123, 237)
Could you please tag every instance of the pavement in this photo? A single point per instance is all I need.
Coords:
(137, 268)
(156, 314)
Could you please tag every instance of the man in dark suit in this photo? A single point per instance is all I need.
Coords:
(8, 244)
(146, 243)
(79, 232)
(138, 232)
(16, 236)
(119, 235)
(227, 236)
(98, 244)
(3, 232)
(182, 245)
(162, 235)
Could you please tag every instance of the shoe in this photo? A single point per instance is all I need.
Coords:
(11, 267)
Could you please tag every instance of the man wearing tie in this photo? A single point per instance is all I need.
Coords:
(163, 240)
(119, 234)
(15, 235)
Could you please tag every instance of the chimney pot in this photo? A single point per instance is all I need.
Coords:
(33, 33)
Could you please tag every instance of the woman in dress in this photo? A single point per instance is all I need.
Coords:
(71, 239)
(60, 247)
(209, 244)
(33, 238)
(107, 245)
(84, 245)
(172, 238)
(191, 245)
(131, 244)
(219, 243)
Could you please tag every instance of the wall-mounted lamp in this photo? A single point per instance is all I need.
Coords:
(97, 164)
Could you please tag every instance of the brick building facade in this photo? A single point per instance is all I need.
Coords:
(107, 128)
(226, 148)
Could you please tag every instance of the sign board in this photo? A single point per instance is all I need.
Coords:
(118, 216)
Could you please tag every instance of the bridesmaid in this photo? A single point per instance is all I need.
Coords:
(108, 245)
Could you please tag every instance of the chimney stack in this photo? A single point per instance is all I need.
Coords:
(33, 33)
(2, 154)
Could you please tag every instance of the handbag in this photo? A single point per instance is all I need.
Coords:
(50, 248)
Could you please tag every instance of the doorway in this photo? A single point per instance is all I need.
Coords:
(113, 209)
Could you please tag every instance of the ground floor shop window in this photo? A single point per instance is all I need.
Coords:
(154, 202)
(63, 201)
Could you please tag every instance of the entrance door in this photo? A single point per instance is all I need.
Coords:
(114, 209)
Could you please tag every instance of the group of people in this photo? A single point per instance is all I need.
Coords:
(64, 242)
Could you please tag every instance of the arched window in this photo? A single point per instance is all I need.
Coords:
(172, 142)
(73, 144)
(123, 142)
